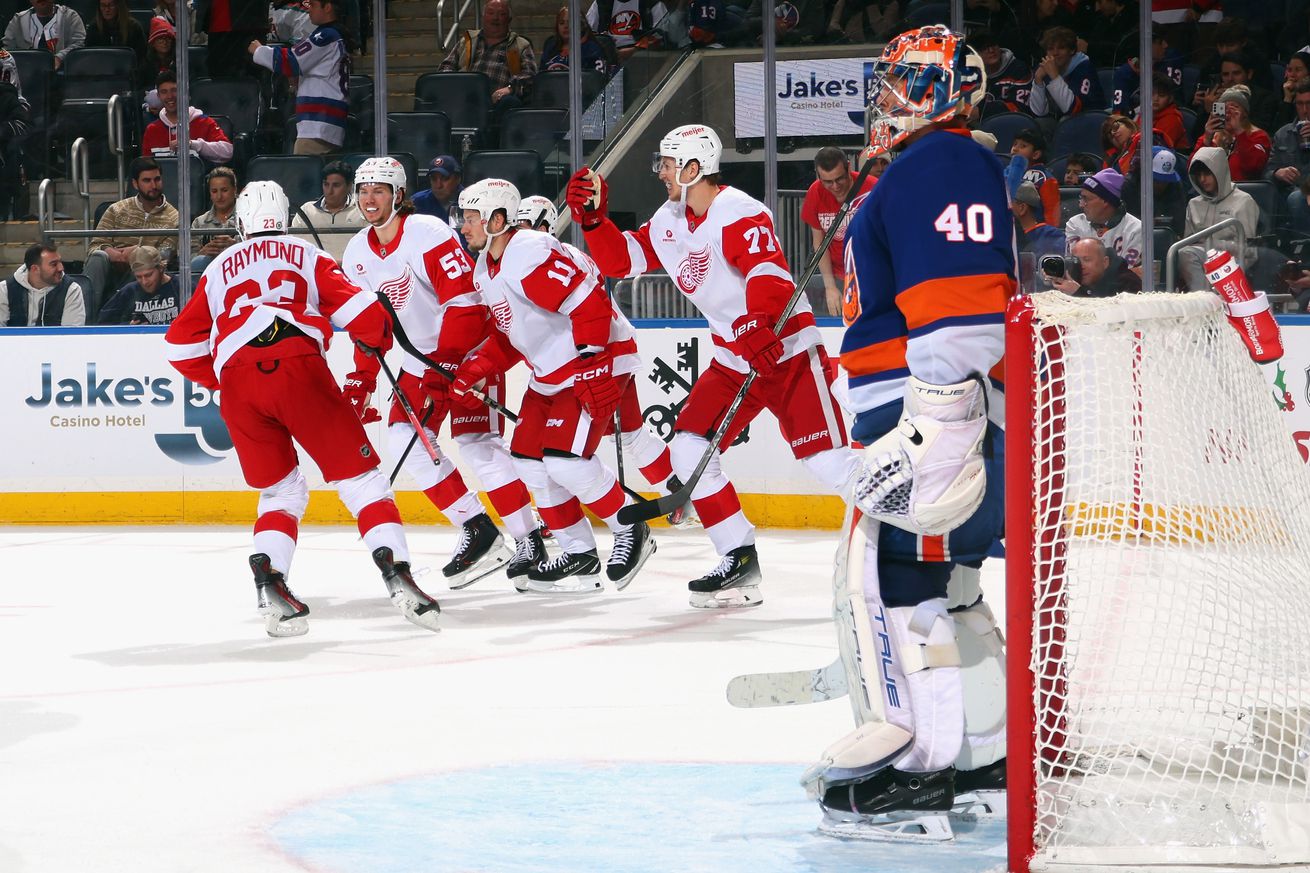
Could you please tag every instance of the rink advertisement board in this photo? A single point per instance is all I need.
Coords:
(818, 97)
(100, 413)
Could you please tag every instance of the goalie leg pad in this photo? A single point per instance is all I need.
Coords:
(982, 656)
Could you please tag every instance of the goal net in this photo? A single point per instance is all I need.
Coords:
(1158, 593)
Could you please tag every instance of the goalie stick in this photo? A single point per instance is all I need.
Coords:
(790, 688)
(645, 510)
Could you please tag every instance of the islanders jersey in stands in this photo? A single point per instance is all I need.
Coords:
(930, 263)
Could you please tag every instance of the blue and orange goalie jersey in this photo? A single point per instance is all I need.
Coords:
(930, 264)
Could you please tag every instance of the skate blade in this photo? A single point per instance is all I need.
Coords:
(276, 625)
(492, 561)
(906, 827)
(979, 806)
(728, 598)
(567, 585)
(409, 608)
(647, 549)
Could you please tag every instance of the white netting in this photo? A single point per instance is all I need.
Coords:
(1172, 625)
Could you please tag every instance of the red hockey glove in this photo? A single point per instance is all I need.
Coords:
(595, 386)
(588, 198)
(437, 387)
(757, 343)
(472, 374)
(357, 389)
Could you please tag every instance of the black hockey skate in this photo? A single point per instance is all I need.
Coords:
(284, 614)
(531, 551)
(684, 515)
(891, 805)
(734, 583)
(631, 549)
(980, 793)
(481, 552)
(417, 607)
(566, 574)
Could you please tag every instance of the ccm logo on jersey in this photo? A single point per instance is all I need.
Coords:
(554, 422)
(594, 372)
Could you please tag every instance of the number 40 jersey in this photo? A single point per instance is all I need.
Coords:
(930, 264)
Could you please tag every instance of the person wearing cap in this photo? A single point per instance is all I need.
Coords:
(1248, 146)
(160, 55)
(151, 298)
(1104, 218)
(1217, 199)
(336, 208)
(46, 27)
(1169, 200)
(1033, 233)
(444, 178)
(1289, 163)
(40, 294)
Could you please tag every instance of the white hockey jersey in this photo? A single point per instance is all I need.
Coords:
(426, 275)
(728, 262)
(531, 290)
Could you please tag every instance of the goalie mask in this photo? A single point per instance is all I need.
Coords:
(262, 207)
(924, 76)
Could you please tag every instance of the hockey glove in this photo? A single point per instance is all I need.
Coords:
(588, 198)
(437, 387)
(757, 343)
(358, 388)
(927, 475)
(595, 385)
(472, 374)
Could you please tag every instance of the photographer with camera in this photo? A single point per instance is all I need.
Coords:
(1289, 165)
(1090, 270)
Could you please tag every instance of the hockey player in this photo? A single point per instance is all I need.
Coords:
(418, 263)
(256, 328)
(930, 264)
(719, 245)
(642, 447)
(552, 311)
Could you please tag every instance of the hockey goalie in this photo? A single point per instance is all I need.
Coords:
(929, 267)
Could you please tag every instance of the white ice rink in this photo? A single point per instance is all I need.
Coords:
(148, 724)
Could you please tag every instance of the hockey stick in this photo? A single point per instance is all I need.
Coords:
(403, 340)
(788, 688)
(427, 413)
(618, 457)
(419, 429)
(655, 507)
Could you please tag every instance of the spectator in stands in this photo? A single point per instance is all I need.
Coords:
(1009, 79)
(625, 22)
(1078, 168)
(1117, 133)
(1065, 83)
(1113, 22)
(321, 63)
(40, 294)
(555, 54)
(1167, 117)
(1231, 37)
(1104, 218)
(832, 183)
(716, 23)
(1100, 272)
(160, 139)
(115, 26)
(1236, 70)
(15, 125)
(232, 25)
(803, 22)
(108, 259)
(1033, 233)
(221, 215)
(1128, 75)
(1169, 201)
(151, 298)
(1248, 146)
(167, 10)
(1030, 145)
(1289, 163)
(161, 52)
(1217, 199)
(1295, 73)
(445, 176)
(506, 58)
(291, 22)
(1036, 19)
(336, 208)
(46, 27)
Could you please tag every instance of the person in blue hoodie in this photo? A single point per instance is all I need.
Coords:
(1065, 82)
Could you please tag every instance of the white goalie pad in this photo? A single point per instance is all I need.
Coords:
(927, 475)
(982, 667)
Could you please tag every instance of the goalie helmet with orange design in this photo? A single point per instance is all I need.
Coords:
(925, 76)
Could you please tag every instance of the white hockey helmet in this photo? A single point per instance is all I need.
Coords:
(490, 195)
(537, 209)
(692, 142)
(383, 171)
(261, 207)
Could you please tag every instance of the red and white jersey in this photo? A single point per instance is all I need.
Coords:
(728, 262)
(428, 278)
(256, 281)
(531, 292)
